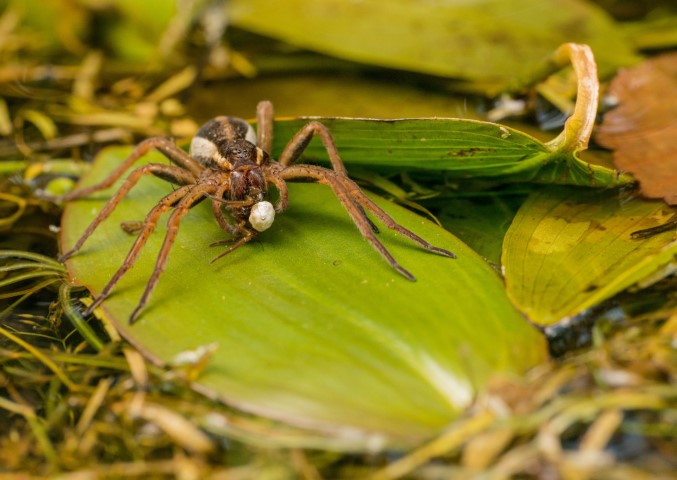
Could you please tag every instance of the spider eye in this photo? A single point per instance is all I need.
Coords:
(262, 216)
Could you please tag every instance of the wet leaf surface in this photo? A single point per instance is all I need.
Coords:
(569, 249)
(642, 129)
(310, 325)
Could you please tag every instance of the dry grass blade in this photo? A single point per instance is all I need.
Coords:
(60, 374)
(456, 436)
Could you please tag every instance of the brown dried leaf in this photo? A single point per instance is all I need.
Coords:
(642, 130)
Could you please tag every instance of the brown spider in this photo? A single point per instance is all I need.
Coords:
(226, 165)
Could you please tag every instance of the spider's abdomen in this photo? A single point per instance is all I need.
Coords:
(212, 141)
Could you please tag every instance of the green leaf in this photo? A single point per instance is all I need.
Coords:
(492, 41)
(570, 249)
(312, 327)
(457, 148)
(481, 221)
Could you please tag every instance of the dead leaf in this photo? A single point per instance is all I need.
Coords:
(642, 130)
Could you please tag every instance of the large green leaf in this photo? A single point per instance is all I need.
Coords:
(569, 249)
(492, 41)
(450, 148)
(313, 328)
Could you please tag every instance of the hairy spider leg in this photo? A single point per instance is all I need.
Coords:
(355, 192)
(357, 214)
(164, 145)
(264, 126)
(176, 174)
(218, 202)
(221, 219)
(282, 202)
(191, 198)
(247, 237)
(241, 233)
(296, 146)
(149, 225)
(264, 130)
(293, 150)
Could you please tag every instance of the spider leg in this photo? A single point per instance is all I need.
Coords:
(351, 191)
(148, 227)
(241, 234)
(293, 150)
(164, 145)
(247, 236)
(218, 202)
(357, 214)
(264, 126)
(281, 186)
(355, 192)
(221, 219)
(192, 197)
(177, 174)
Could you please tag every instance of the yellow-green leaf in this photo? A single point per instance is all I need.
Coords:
(310, 326)
(570, 249)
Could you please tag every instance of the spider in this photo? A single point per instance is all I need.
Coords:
(229, 164)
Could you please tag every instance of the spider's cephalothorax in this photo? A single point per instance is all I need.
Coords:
(229, 164)
(228, 145)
